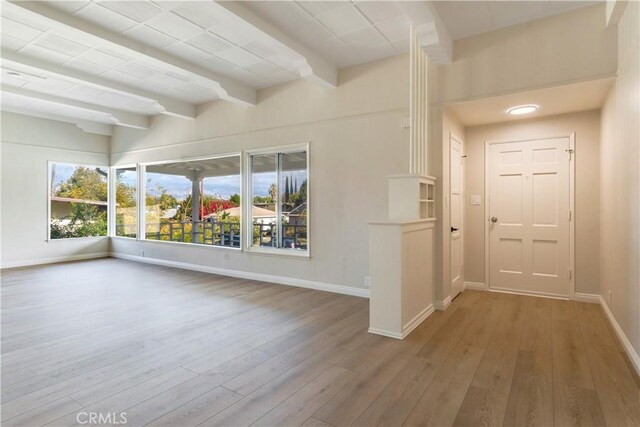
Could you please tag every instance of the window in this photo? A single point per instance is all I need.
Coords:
(78, 201)
(196, 201)
(279, 214)
(126, 205)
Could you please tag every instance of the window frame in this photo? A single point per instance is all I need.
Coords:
(50, 163)
(142, 191)
(248, 246)
(111, 226)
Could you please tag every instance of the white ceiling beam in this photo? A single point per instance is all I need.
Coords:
(614, 11)
(311, 66)
(95, 127)
(165, 104)
(86, 126)
(227, 88)
(122, 118)
(435, 38)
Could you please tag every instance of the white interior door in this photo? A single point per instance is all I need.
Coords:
(529, 216)
(456, 198)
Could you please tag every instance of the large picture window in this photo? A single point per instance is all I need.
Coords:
(196, 201)
(126, 207)
(78, 201)
(279, 215)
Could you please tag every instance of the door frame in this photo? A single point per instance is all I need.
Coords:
(454, 136)
(572, 222)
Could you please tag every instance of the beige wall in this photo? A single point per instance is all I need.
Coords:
(619, 184)
(356, 140)
(28, 143)
(377, 87)
(586, 125)
(556, 50)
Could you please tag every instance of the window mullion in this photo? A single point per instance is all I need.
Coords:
(278, 202)
(142, 202)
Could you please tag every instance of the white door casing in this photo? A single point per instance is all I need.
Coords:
(529, 205)
(456, 215)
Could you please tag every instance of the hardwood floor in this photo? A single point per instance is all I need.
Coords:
(171, 347)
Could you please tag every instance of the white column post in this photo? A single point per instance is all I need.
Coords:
(195, 207)
(418, 106)
(401, 250)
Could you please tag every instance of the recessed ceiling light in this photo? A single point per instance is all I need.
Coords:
(522, 109)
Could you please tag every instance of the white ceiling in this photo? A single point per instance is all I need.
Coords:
(468, 18)
(581, 96)
(348, 32)
(119, 62)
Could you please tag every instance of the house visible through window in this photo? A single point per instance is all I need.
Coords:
(194, 201)
(78, 201)
(279, 214)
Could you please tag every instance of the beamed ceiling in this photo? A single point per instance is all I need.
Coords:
(100, 64)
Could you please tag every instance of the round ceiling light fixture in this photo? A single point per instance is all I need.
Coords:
(522, 109)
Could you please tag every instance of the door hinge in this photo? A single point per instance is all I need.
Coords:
(569, 152)
(569, 274)
(569, 214)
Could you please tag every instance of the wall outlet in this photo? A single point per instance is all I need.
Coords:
(367, 281)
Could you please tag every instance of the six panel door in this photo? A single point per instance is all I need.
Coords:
(529, 216)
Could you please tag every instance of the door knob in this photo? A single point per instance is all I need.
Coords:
(494, 219)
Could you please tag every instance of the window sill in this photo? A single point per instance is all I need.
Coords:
(133, 239)
(183, 244)
(255, 250)
(77, 239)
(293, 253)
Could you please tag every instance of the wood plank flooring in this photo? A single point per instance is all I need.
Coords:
(170, 347)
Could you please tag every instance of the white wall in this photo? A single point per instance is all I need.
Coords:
(586, 125)
(356, 140)
(28, 143)
(619, 183)
(560, 49)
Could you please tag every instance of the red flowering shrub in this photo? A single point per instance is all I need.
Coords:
(216, 206)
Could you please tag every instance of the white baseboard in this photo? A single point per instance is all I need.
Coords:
(474, 286)
(577, 296)
(631, 352)
(528, 293)
(385, 333)
(281, 280)
(582, 297)
(442, 305)
(413, 323)
(53, 260)
(408, 327)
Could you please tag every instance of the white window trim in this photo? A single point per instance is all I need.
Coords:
(248, 196)
(67, 239)
(112, 196)
(142, 191)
